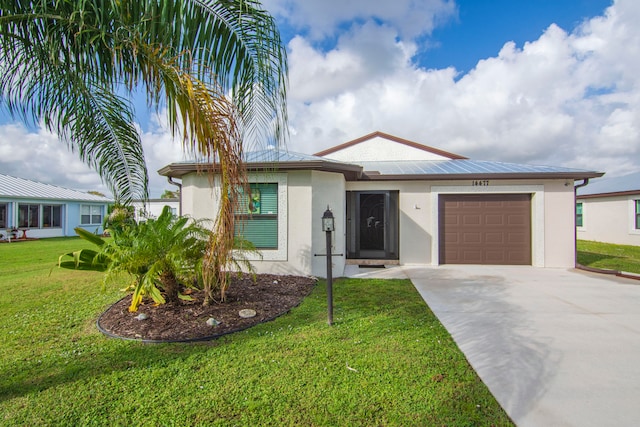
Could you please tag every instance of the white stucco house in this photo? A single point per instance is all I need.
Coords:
(152, 208)
(396, 202)
(608, 210)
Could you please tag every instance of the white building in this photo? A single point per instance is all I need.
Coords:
(608, 210)
(397, 202)
(153, 208)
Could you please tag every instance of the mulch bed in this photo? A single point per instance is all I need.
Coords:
(269, 295)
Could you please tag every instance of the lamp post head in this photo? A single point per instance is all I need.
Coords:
(328, 221)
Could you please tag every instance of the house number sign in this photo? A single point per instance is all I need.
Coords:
(480, 183)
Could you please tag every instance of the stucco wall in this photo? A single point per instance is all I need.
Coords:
(328, 190)
(307, 194)
(609, 219)
(559, 222)
(199, 199)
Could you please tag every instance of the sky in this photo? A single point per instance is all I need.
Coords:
(545, 82)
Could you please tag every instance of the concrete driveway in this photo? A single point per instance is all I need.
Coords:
(555, 347)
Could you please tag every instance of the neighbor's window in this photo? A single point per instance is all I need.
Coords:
(579, 215)
(637, 214)
(51, 216)
(90, 215)
(28, 216)
(257, 216)
(3, 215)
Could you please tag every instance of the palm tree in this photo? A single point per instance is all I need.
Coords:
(217, 66)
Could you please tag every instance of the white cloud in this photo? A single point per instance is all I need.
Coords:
(41, 156)
(366, 53)
(567, 99)
(322, 19)
(160, 149)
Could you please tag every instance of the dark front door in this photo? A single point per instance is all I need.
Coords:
(372, 224)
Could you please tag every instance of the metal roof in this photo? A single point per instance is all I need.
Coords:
(265, 156)
(443, 169)
(271, 160)
(13, 187)
(610, 185)
(392, 170)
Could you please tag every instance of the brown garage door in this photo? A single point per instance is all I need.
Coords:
(485, 229)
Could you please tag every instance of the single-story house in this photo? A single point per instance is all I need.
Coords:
(152, 208)
(396, 202)
(36, 210)
(608, 210)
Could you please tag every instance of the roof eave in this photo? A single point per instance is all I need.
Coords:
(609, 194)
(350, 171)
(54, 199)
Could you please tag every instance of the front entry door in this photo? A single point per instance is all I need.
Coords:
(372, 218)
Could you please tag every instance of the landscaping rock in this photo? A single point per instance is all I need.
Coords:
(247, 313)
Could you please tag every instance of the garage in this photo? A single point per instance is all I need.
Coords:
(485, 229)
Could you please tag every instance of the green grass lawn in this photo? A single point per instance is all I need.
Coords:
(609, 256)
(386, 361)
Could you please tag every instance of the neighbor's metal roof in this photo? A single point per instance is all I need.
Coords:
(612, 185)
(11, 186)
(443, 169)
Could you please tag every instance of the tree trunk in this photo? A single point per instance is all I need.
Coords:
(170, 285)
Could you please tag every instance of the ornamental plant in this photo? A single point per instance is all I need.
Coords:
(160, 256)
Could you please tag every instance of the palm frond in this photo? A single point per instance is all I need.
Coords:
(42, 81)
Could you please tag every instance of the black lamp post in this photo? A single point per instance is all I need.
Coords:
(328, 226)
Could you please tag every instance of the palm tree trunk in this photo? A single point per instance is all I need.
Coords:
(170, 285)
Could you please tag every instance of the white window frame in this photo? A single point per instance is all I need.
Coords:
(90, 206)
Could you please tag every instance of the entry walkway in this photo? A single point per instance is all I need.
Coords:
(555, 347)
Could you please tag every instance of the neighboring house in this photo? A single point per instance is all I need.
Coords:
(37, 210)
(153, 208)
(396, 202)
(608, 210)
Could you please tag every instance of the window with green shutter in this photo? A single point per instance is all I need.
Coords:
(637, 214)
(257, 216)
(579, 216)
